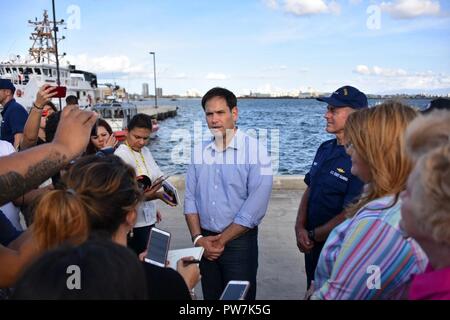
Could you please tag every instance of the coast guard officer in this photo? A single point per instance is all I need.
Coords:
(331, 186)
(14, 115)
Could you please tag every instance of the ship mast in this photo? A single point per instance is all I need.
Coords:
(44, 45)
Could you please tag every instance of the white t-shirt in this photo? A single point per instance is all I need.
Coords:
(10, 210)
(146, 213)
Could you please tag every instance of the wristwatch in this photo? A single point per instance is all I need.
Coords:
(312, 235)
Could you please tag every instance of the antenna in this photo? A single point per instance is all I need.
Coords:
(44, 47)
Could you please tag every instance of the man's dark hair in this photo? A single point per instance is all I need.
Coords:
(51, 125)
(140, 120)
(229, 97)
(106, 270)
(71, 100)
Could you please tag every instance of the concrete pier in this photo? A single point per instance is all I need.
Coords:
(281, 272)
(161, 112)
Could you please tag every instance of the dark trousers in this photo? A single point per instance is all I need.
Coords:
(311, 260)
(239, 261)
(139, 241)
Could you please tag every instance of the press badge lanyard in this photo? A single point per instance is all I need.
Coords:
(139, 167)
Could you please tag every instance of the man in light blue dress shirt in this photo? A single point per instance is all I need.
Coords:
(228, 187)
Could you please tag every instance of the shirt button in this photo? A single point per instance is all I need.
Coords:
(215, 187)
(213, 203)
(217, 170)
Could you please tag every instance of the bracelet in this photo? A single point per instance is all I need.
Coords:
(197, 238)
(34, 105)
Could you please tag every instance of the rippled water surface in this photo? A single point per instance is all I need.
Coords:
(298, 124)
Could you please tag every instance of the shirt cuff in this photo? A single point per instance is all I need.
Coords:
(190, 207)
(244, 221)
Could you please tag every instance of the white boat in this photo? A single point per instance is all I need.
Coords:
(40, 68)
(117, 114)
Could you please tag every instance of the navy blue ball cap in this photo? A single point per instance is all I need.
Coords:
(346, 96)
(7, 84)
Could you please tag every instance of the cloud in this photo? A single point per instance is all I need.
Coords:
(272, 4)
(399, 79)
(107, 64)
(306, 7)
(378, 71)
(310, 7)
(216, 76)
(410, 9)
(362, 69)
(180, 76)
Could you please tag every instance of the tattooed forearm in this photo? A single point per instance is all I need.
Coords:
(14, 185)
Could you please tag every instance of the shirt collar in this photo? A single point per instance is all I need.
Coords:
(236, 142)
(7, 105)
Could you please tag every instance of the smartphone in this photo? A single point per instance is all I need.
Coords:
(235, 290)
(158, 247)
(60, 92)
(144, 182)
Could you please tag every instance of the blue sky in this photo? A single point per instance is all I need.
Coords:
(273, 46)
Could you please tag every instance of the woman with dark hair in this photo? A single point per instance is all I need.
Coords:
(34, 130)
(98, 269)
(101, 196)
(103, 138)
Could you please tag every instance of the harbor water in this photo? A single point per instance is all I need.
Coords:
(294, 129)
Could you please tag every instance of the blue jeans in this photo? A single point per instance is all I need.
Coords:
(239, 261)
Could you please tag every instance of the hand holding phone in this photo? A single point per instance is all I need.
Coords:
(60, 91)
(235, 290)
(158, 247)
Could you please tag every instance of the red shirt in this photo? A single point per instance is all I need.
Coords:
(431, 285)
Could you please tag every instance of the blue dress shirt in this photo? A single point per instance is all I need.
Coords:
(229, 186)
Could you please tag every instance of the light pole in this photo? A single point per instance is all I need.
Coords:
(154, 77)
(55, 31)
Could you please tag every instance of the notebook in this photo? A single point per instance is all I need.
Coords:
(175, 255)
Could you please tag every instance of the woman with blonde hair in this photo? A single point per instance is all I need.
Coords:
(367, 257)
(426, 203)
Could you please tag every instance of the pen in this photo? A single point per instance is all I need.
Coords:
(188, 262)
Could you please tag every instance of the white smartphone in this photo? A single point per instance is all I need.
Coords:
(158, 247)
(235, 290)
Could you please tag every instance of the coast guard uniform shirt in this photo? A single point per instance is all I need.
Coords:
(14, 117)
(331, 184)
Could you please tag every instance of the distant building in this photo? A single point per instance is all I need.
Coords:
(145, 89)
(159, 92)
